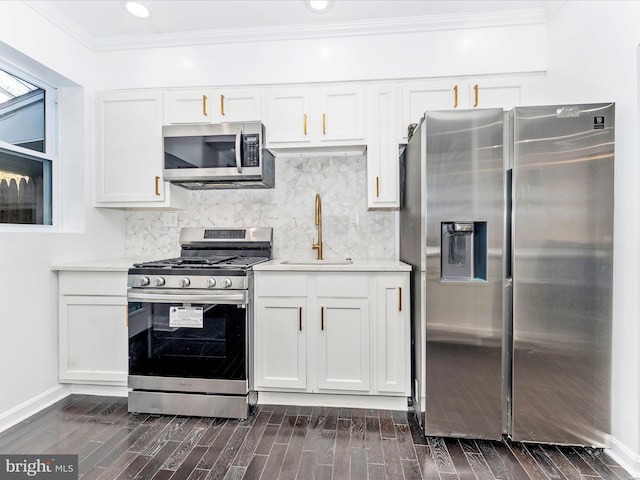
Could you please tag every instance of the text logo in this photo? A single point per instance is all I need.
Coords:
(49, 467)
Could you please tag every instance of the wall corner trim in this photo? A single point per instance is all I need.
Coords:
(24, 410)
(622, 455)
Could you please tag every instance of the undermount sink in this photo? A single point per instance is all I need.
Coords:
(346, 261)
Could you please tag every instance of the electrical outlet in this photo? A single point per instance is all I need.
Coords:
(355, 219)
(170, 219)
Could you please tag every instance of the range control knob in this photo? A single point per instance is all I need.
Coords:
(159, 281)
(211, 282)
(185, 282)
(144, 281)
(226, 283)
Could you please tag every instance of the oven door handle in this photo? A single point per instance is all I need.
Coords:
(226, 298)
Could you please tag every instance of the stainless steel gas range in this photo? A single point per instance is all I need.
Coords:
(190, 324)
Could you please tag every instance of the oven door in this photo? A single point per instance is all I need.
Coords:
(188, 342)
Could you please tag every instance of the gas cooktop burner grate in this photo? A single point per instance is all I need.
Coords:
(203, 262)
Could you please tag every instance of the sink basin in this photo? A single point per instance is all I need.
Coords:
(347, 261)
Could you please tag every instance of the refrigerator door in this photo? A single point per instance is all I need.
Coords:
(562, 271)
(464, 273)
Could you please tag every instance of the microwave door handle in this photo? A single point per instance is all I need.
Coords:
(238, 151)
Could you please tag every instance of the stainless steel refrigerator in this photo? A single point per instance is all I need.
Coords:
(507, 219)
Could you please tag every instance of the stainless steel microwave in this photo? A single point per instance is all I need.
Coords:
(208, 156)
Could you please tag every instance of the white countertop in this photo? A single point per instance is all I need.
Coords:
(101, 265)
(280, 265)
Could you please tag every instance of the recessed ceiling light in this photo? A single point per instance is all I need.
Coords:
(319, 6)
(137, 9)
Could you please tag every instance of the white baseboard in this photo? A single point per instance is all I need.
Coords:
(106, 390)
(624, 457)
(328, 400)
(33, 406)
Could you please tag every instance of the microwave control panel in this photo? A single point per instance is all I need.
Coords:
(250, 151)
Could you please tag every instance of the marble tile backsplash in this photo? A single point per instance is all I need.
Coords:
(349, 229)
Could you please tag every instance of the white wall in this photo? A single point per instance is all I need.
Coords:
(593, 58)
(28, 288)
(429, 54)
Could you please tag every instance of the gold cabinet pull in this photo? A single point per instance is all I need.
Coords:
(324, 123)
(157, 185)
(222, 105)
(305, 123)
(377, 186)
(322, 318)
(475, 88)
(455, 96)
(126, 315)
(399, 299)
(204, 105)
(300, 318)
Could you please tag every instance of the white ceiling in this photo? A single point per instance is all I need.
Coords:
(100, 23)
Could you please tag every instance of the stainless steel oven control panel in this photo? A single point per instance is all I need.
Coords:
(195, 282)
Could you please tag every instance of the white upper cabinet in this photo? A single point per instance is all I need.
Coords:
(341, 112)
(129, 153)
(460, 93)
(212, 106)
(287, 119)
(382, 152)
(315, 116)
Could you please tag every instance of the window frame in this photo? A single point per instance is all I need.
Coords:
(51, 145)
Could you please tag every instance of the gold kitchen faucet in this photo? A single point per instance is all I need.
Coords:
(318, 246)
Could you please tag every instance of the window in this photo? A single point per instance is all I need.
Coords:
(26, 155)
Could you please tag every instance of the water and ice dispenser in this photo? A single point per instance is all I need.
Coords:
(464, 252)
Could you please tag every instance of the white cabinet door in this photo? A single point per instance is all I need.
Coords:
(392, 353)
(130, 147)
(281, 343)
(341, 113)
(287, 116)
(129, 153)
(344, 345)
(93, 340)
(212, 106)
(383, 177)
(237, 105)
(504, 93)
(188, 107)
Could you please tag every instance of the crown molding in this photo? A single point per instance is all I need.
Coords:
(65, 24)
(401, 25)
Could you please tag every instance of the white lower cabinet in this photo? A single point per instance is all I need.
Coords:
(319, 332)
(93, 327)
(393, 333)
(281, 352)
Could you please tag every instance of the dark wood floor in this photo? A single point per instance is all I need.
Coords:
(282, 443)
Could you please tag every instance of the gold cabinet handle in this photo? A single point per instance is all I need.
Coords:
(322, 318)
(300, 318)
(377, 186)
(475, 88)
(222, 105)
(204, 105)
(157, 185)
(305, 123)
(455, 96)
(126, 315)
(324, 123)
(399, 299)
